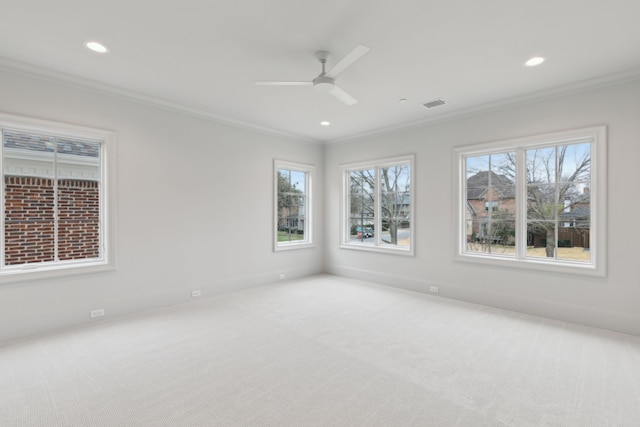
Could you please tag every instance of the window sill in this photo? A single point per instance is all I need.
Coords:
(293, 246)
(565, 267)
(378, 249)
(36, 272)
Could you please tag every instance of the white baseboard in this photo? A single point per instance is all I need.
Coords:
(627, 323)
(59, 318)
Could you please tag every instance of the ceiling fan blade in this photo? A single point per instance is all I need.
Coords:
(343, 96)
(357, 53)
(269, 83)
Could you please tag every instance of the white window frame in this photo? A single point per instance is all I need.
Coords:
(345, 226)
(309, 171)
(107, 259)
(597, 136)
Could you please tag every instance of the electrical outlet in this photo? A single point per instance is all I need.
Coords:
(434, 289)
(195, 294)
(282, 276)
(96, 313)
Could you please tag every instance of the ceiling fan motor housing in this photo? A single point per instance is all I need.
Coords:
(323, 83)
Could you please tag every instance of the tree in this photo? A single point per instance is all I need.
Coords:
(395, 198)
(553, 175)
(393, 194)
(286, 190)
(290, 198)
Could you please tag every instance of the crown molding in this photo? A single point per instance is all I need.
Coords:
(541, 95)
(96, 87)
(70, 80)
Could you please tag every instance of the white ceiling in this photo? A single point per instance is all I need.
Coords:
(204, 55)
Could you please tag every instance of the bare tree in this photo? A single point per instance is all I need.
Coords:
(552, 174)
(394, 197)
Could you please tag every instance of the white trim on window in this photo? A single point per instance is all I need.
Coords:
(107, 178)
(375, 242)
(596, 265)
(303, 220)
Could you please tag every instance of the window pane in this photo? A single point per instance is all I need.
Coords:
(488, 236)
(29, 197)
(573, 242)
(361, 230)
(475, 164)
(361, 206)
(78, 199)
(395, 231)
(395, 205)
(503, 165)
(477, 232)
(395, 178)
(542, 202)
(574, 163)
(362, 181)
(500, 202)
(540, 239)
(541, 165)
(292, 205)
(503, 235)
(298, 181)
(491, 203)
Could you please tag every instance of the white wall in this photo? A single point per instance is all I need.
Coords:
(612, 302)
(216, 236)
(194, 209)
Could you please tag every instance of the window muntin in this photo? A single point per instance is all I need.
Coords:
(55, 199)
(533, 201)
(292, 205)
(378, 196)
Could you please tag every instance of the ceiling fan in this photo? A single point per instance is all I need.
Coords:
(326, 81)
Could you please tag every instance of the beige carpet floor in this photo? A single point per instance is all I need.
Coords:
(323, 351)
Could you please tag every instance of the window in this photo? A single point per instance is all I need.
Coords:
(293, 228)
(493, 205)
(54, 199)
(537, 201)
(378, 205)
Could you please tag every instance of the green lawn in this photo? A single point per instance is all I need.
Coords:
(284, 236)
(577, 254)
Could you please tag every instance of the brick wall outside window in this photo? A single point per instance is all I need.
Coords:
(30, 226)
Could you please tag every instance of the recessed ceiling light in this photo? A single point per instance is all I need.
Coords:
(325, 123)
(536, 60)
(96, 47)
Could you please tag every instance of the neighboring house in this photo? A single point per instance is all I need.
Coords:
(575, 221)
(577, 211)
(33, 218)
(488, 195)
(401, 208)
(291, 217)
(491, 197)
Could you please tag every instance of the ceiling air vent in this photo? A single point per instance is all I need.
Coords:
(434, 103)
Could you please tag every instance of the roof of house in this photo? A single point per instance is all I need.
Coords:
(478, 184)
(578, 213)
(44, 143)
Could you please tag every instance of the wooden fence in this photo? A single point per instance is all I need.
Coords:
(567, 238)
